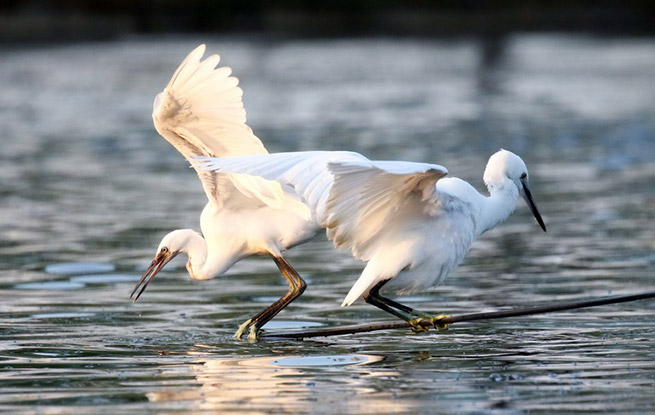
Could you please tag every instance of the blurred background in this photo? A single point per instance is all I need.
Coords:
(88, 189)
(34, 20)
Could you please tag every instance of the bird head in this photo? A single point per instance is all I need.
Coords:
(505, 167)
(170, 246)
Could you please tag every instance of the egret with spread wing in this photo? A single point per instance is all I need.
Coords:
(200, 112)
(410, 223)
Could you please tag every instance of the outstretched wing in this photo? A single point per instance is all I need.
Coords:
(305, 172)
(366, 197)
(351, 196)
(200, 112)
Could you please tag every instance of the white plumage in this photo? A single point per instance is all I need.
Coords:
(200, 112)
(412, 225)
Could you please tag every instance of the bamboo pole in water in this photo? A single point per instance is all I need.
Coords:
(338, 331)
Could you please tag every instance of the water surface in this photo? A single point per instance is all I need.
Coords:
(89, 189)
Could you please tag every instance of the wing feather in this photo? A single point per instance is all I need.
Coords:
(201, 113)
(366, 198)
(354, 198)
(306, 172)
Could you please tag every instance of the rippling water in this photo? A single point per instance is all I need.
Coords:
(88, 189)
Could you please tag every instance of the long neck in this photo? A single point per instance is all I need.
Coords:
(207, 258)
(196, 250)
(499, 205)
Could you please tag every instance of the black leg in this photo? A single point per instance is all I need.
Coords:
(412, 316)
(296, 287)
(399, 310)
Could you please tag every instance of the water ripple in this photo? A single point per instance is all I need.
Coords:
(89, 189)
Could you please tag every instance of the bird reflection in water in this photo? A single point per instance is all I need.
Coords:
(286, 384)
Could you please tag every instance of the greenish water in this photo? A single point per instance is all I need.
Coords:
(89, 189)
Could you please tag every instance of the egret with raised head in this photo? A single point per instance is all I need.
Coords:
(200, 112)
(411, 223)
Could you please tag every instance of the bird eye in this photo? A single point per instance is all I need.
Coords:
(164, 250)
(524, 175)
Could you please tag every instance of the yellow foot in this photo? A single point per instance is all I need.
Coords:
(436, 322)
(418, 325)
(253, 333)
(242, 329)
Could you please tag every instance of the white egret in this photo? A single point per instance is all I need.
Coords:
(411, 224)
(200, 112)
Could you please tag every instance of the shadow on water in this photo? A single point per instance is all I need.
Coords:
(89, 189)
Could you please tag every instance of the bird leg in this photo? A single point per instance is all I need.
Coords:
(296, 287)
(414, 317)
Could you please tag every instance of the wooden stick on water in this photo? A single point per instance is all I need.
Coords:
(338, 331)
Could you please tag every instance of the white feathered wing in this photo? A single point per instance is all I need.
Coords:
(201, 113)
(354, 198)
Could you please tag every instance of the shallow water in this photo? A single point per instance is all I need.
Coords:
(88, 190)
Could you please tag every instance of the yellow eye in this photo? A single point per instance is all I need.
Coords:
(164, 250)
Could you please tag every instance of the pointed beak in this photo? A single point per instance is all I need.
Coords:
(157, 264)
(527, 195)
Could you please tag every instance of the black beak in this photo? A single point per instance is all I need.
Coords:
(157, 264)
(533, 207)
